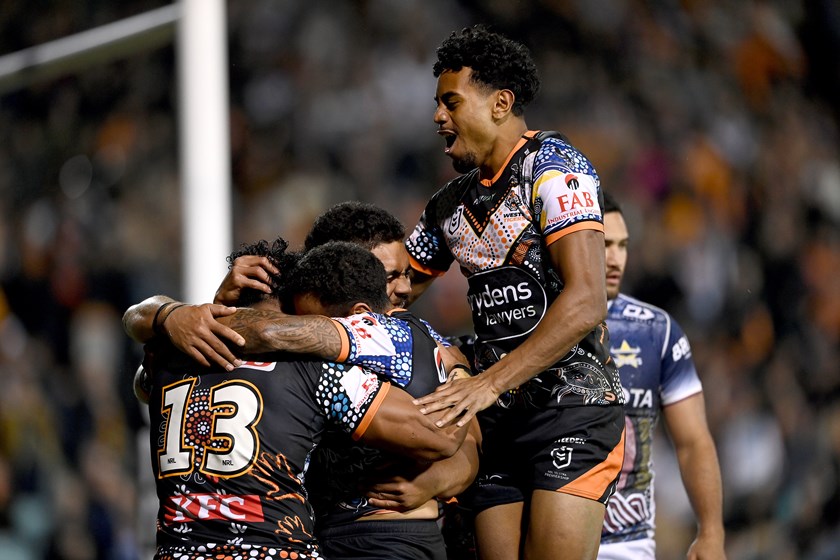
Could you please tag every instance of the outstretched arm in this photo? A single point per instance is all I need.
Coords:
(579, 260)
(700, 472)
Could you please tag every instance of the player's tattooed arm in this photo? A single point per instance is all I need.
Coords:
(192, 329)
(271, 331)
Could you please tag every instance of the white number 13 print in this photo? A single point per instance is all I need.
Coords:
(222, 423)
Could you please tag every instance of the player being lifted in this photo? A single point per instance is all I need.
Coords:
(524, 224)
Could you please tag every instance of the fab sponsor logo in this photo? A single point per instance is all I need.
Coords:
(506, 303)
(576, 202)
(572, 199)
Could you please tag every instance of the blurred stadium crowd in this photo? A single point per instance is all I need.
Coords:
(715, 123)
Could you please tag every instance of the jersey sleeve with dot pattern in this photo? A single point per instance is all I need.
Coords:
(349, 396)
(378, 342)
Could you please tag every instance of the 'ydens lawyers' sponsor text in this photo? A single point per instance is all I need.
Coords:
(506, 302)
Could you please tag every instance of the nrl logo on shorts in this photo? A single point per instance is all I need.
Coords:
(561, 456)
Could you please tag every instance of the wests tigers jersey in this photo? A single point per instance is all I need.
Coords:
(654, 359)
(339, 464)
(230, 451)
(498, 230)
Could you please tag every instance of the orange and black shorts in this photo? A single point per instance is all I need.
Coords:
(575, 450)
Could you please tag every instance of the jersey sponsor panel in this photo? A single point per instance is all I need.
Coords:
(359, 385)
(183, 508)
(261, 366)
(566, 188)
(384, 344)
(567, 199)
(506, 303)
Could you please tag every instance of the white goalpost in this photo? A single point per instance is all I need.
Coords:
(200, 32)
(204, 146)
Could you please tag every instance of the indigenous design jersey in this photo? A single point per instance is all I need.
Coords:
(230, 452)
(654, 359)
(339, 464)
(384, 343)
(497, 231)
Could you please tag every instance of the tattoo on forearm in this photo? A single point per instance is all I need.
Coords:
(269, 331)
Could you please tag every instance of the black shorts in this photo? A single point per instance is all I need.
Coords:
(458, 532)
(575, 450)
(412, 539)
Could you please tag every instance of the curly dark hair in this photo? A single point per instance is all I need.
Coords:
(356, 222)
(496, 62)
(340, 274)
(284, 261)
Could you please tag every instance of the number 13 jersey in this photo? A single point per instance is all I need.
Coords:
(230, 453)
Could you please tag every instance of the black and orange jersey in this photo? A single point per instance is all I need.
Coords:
(498, 230)
(339, 464)
(230, 451)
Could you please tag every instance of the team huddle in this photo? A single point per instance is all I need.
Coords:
(306, 413)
